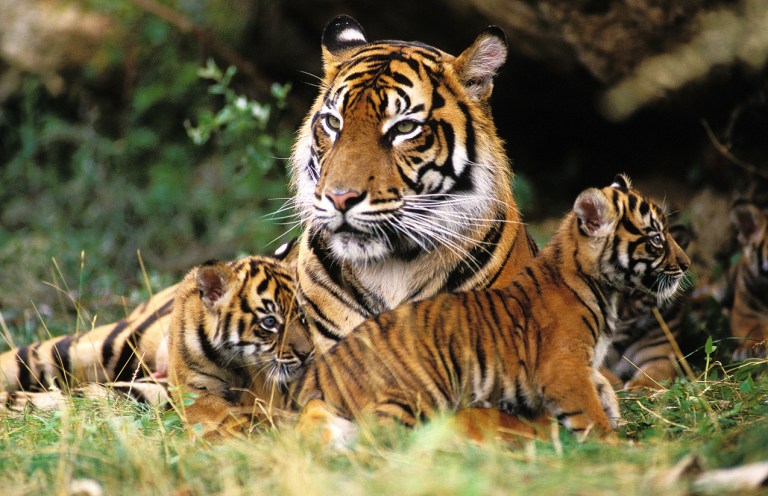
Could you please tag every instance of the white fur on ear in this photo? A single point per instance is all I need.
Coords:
(477, 65)
(594, 212)
(622, 182)
(340, 35)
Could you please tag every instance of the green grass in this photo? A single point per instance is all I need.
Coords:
(131, 449)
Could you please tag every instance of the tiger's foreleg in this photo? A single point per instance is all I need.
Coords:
(651, 375)
(607, 395)
(318, 419)
(481, 424)
(573, 398)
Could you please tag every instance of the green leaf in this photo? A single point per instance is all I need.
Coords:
(709, 347)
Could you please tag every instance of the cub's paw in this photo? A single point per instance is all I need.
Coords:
(317, 420)
(750, 349)
(608, 398)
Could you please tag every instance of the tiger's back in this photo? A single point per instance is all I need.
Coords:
(535, 345)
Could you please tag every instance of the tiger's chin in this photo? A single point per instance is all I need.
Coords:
(359, 248)
(668, 288)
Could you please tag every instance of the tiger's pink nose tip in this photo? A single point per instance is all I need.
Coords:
(344, 200)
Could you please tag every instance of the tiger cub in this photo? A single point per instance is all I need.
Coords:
(131, 350)
(641, 354)
(235, 343)
(749, 315)
(534, 346)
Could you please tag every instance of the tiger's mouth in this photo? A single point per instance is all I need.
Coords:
(284, 371)
(666, 286)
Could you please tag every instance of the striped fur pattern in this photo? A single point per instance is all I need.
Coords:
(749, 315)
(641, 354)
(236, 341)
(400, 179)
(532, 347)
(127, 350)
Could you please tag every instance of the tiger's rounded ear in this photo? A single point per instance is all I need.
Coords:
(213, 281)
(749, 221)
(622, 182)
(593, 209)
(339, 36)
(477, 65)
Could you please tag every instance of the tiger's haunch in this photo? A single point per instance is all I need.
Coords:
(533, 346)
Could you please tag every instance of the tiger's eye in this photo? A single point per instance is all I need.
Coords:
(404, 127)
(333, 122)
(656, 240)
(268, 323)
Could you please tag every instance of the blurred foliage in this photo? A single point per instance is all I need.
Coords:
(90, 177)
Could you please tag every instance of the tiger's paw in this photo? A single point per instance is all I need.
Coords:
(483, 424)
(608, 399)
(751, 349)
(317, 420)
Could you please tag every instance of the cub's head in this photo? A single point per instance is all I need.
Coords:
(752, 227)
(252, 317)
(399, 154)
(626, 241)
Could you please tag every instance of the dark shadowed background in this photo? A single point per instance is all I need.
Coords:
(101, 100)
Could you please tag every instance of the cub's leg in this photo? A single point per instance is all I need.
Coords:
(572, 397)
(752, 328)
(318, 419)
(607, 395)
(652, 374)
(480, 424)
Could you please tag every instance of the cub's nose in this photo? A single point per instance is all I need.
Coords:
(297, 339)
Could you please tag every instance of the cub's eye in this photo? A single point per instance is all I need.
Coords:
(656, 240)
(268, 323)
(333, 122)
(405, 127)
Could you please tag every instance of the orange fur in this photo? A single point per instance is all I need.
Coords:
(402, 181)
(533, 347)
(235, 342)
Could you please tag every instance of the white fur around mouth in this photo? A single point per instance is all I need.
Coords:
(358, 247)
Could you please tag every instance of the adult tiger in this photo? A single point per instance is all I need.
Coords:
(236, 341)
(404, 188)
(533, 346)
(401, 179)
(128, 349)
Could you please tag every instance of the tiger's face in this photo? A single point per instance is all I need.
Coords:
(630, 237)
(391, 160)
(255, 318)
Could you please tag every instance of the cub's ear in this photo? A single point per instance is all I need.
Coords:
(594, 212)
(748, 220)
(622, 182)
(477, 65)
(339, 36)
(213, 280)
